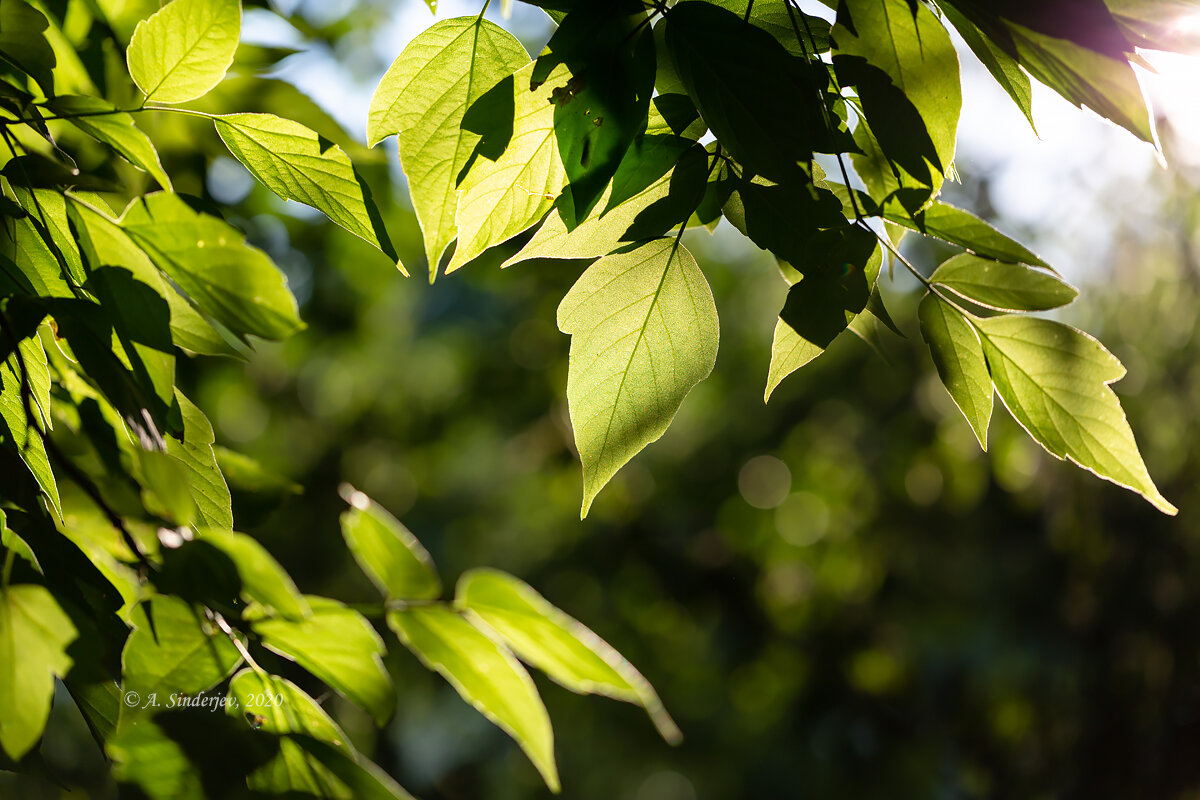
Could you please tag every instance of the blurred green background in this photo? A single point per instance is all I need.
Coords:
(836, 595)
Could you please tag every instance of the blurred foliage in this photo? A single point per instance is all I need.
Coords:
(836, 595)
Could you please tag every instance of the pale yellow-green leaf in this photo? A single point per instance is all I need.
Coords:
(499, 199)
(1055, 381)
(184, 49)
(485, 674)
(644, 331)
(547, 638)
(958, 356)
(297, 164)
(34, 634)
(423, 97)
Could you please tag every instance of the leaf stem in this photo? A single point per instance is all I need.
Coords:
(9, 557)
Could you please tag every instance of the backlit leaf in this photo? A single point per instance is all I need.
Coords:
(34, 634)
(485, 674)
(644, 331)
(297, 164)
(115, 129)
(387, 551)
(423, 97)
(341, 648)
(958, 356)
(1001, 286)
(184, 49)
(545, 637)
(1055, 381)
(503, 195)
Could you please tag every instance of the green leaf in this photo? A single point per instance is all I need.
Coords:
(184, 49)
(1106, 85)
(387, 551)
(958, 356)
(227, 279)
(504, 193)
(341, 648)
(167, 487)
(26, 441)
(34, 634)
(800, 34)
(423, 98)
(770, 126)
(1055, 381)
(23, 40)
(104, 242)
(141, 319)
(297, 164)
(609, 50)
(276, 706)
(171, 650)
(964, 229)
(485, 674)
(900, 59)
(48, 209)
(104, 123)
(545, 637)
(821, 305)
(644, 331)
(29, 261)
(997, 59)
(263, 580)
(362, 779)
(193, 451)
(142, 754)
(1001, 286)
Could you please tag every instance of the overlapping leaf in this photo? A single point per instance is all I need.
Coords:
(1001, 286)
(297, 164)
(958, 356)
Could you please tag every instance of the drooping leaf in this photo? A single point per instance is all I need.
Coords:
(503, 195)
(14, 415)
(338, 646)
(171, 650)
(1104, 84)
(297, 164)
(487, 676)
(1001, 286)
(769, 126)
(423, 98)
(23, 39)
(1055, 381)
(276, 706)
(958, 356)
(963, 228)
(193, 451)
(227, 279)
(548, 639)
(835, 289)
(997, 59)
(48, 209)
(903, 65)
(105, 123)
(34, 634)
(387, 551)
(29, 261)
(644, 331)
(263, 579)
(184, 49)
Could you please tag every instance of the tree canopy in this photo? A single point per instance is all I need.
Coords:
(823, 139)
